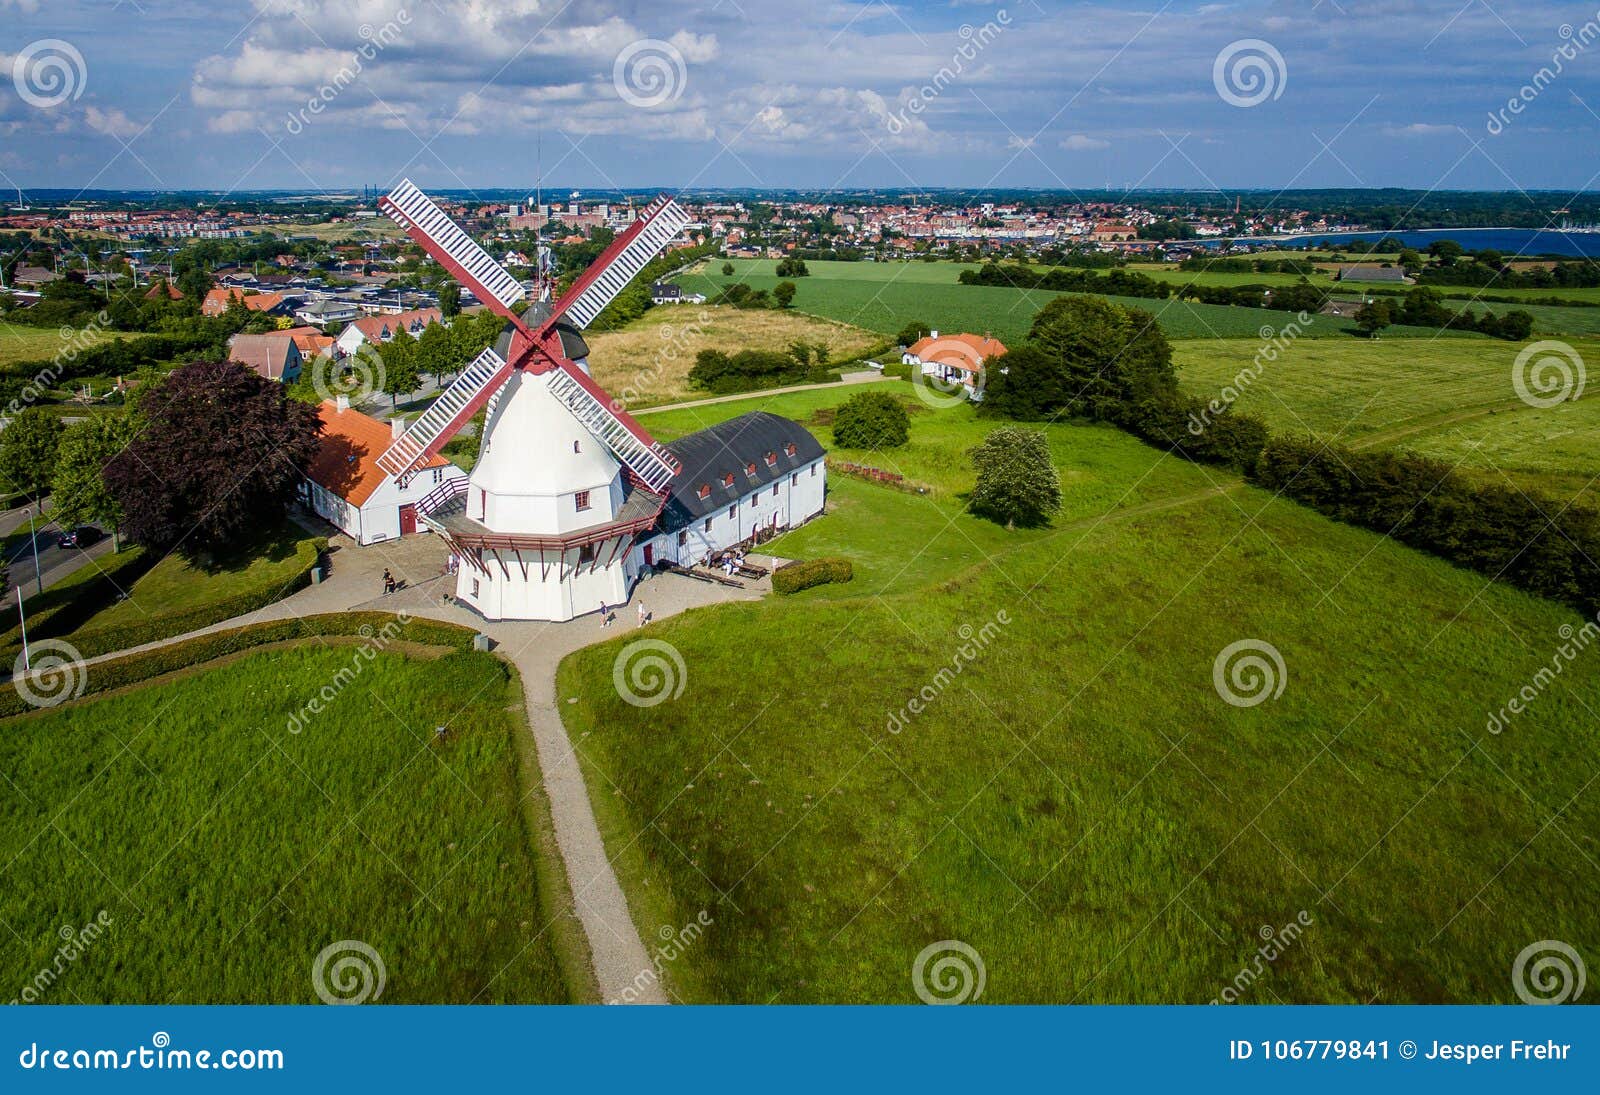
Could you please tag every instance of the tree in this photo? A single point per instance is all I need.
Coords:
(792, 268)
(28, 449)
(217, 460)
(783, 293)
(450, 299)
(1017, 482)
(913, 333)
(871, 420)
(727, 269)
(434, 355)
(1373, 317)
(401, 375)
(79, 493)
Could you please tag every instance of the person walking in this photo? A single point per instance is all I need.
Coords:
(605, 615)
(644, 616)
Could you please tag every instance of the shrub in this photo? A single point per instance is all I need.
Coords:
(815, 572)
(1017, 481)
(871, 420)
(72, 602)
(1195, 430)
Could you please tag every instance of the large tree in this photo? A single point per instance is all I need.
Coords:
(400, 373)
(1085, 357)
(1017, 481)
(871, 420)
(79, 492)
(28, 449)
(217, 459)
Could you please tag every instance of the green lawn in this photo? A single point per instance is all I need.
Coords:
(227, 851)
(1450, 398)
(1076, 802)
(20, 343)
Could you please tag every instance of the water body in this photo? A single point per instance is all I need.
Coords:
(1510, 241)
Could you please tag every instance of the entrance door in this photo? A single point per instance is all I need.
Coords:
(408, 520)
(649, 555)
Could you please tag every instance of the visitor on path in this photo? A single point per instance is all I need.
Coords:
(644, 615)
(388, 581)
(605, 615)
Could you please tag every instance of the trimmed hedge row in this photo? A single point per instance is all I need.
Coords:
(815, 572)
(69, 605)
(137, 668)
(104, 640)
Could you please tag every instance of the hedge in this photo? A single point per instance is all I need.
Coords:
(137, 668)
(816, 572)
(104, 640)
(70, 604)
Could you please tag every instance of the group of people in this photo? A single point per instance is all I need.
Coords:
(608, 616)
(731, 561)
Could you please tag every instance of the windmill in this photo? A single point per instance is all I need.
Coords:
(566, 479)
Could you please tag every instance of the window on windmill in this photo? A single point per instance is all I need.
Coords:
(575, 447)
(582, 500)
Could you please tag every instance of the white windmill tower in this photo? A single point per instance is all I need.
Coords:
(565, 480)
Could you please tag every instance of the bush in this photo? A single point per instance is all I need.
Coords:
(1017, 480)
(137, 668)
(1195, 430)
(815, 572)
(72, 602)
(871, 420)
(1537, 544)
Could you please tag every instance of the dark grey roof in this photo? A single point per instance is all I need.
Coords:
(729, 448)
(572, 342)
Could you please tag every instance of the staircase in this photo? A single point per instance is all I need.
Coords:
(457, 403)
(645, 239)
(487, 279)
(652, 463)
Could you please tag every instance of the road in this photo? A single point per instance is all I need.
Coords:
(56, 562)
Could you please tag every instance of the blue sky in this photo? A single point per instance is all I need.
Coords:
(474, 93)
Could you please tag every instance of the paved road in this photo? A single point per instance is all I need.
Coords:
(866, 376)
(56, 562)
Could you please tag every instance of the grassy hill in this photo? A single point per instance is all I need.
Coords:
(228, 851)
(1076, 799)
(1450, 398)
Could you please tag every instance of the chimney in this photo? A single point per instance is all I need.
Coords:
(397, 426)
(342, 403)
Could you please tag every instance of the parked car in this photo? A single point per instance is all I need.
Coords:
(80, 537)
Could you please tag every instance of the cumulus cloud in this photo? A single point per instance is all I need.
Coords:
(113, 123)
(1417, 129)
(1081, 142)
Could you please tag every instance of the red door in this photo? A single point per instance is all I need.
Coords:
(649, 555)
(408, 520)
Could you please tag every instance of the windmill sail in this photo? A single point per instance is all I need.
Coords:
(618, 264)
(626, 439)
(455, 405)
(442, 238)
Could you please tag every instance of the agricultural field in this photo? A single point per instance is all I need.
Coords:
(648, 362)
(1019, 741)
(223, 850)
(1450, 398)
(20, 343)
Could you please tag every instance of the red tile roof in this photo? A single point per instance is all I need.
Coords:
(964, 351)
(217, 301)
(373, 327)
(347, 462)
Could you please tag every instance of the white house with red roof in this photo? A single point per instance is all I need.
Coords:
(345, 485)
(376, 330)
(954, 358)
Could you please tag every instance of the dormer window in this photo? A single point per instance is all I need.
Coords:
(750, 469)
(789, 449)
(772, 459)
(727, 479)
(705, 490)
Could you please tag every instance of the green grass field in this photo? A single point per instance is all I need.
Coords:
(1076, 801)
(1450, 398)
(19, 343)
(228, 851)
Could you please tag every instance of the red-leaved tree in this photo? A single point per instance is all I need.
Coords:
(216, 461)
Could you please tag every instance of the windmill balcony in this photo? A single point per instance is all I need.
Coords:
(445, 511)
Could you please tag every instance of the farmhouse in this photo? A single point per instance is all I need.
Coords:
(742, 480)
(345, 485)
(1363, 271)
(955, 358)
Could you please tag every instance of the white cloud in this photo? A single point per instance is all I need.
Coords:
(1417, 129)
(1080, 142)
(113, 123)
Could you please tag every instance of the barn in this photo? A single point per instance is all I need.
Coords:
(742, 480)
(345, 485)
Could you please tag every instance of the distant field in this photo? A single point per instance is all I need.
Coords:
(884, 297)
(373, 228)
(1073, 799)
(1451, 398)
(228, 851)
(19, 343)
(649, 362)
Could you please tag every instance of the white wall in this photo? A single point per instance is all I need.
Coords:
(798, 500)
(585, 588)
(379, 519)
